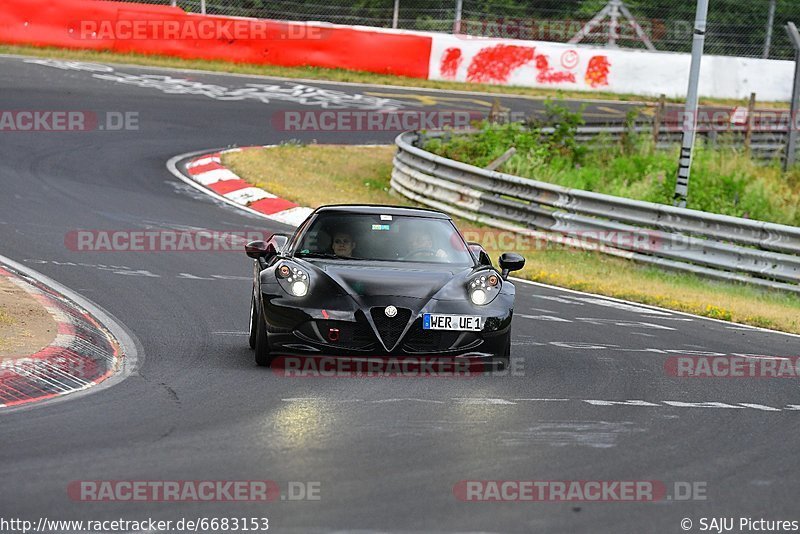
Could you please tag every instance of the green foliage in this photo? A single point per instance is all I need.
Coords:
(565, 122)
(724, 180)
(534, 148)
(628, 141)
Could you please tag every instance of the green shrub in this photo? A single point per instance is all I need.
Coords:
(724, 180)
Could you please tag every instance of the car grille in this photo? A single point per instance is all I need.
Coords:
(390, 328)
(362, 333)
(420, 341)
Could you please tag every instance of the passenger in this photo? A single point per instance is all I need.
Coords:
(343, 244)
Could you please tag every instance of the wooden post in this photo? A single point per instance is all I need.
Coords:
(748, 128)
(658, 117)
(493, 166)
(496, 112)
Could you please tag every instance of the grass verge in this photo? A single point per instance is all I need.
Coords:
(340, 75)
(326, 174)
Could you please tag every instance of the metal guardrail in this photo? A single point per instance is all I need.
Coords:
(766, 143)
(717, 246)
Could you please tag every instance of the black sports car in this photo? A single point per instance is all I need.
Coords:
(379, 281)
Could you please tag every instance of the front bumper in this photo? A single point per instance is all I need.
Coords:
(348, 332)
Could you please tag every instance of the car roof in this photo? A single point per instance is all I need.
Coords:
(377, 209)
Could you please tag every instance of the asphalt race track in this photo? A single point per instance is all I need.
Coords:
(386, 452)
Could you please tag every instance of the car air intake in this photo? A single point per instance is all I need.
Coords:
(390, 328)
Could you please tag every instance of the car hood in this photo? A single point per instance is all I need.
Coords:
(369, 283)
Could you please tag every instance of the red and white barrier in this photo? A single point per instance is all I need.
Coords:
(64, 23)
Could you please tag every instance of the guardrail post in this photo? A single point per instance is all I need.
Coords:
(658, 117)
(791, 145)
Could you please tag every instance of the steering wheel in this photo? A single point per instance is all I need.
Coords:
(420, 253)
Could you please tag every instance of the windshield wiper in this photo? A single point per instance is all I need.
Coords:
(323, 255)
(316, 255)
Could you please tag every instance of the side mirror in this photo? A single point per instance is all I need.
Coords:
(266, 249)
(480, 253)
(510, 261)
(276, 243)
(256, 249)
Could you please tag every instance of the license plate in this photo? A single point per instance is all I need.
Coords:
(435, 321)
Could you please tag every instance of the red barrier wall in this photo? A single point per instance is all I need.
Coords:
(59, 23)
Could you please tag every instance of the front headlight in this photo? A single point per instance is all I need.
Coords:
(484, 288)
(299, 288)
(292, 279)
(478, 296)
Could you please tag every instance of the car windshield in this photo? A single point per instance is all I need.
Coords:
(383, 237)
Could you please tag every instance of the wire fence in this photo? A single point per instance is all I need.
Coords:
(747, 28)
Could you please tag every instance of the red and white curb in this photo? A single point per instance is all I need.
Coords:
(84, 353)
(208, 171)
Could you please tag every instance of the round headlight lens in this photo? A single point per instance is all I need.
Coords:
(284, 271)
(478, 296)
(299, 288)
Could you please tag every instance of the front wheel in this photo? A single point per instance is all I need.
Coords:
(501, 363)
(263, 356)
(253, 323)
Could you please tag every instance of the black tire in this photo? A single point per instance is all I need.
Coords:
(253, 322)
(263, 356)
(501, 363)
